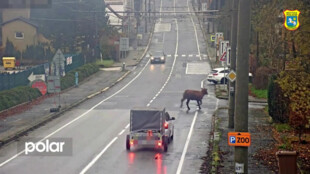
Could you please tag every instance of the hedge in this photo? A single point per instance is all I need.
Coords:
(277, 103)
(16, 96)
(84, 71)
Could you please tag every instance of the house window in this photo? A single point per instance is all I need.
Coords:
(19, 35)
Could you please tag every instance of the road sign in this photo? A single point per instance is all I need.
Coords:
(59, 63)
(41, 85)
(59, 58)
(212, 38)
(228, 56)
(53, 84)
(124, 44)
(223, 58)
(232, 76)
(218, 36)
(223, 46)
(32, 77)
(239, 139)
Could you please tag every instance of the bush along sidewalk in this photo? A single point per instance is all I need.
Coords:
(83, 72)
(16, 96)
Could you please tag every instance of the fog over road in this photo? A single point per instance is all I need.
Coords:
(99, 126)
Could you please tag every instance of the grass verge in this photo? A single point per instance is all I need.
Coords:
(259, 93)
(282, 127)
(105, 63)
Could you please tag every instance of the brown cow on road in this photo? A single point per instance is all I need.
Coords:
(193, 95)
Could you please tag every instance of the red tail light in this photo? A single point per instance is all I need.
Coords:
(215, 74)
(150, 133)
(166, 125)
(159, 143)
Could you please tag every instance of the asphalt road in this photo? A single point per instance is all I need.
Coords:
(99, 126)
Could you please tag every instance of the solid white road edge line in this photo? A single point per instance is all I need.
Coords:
(121, 132)
(97, 157)
(127, 126)
(186, 144)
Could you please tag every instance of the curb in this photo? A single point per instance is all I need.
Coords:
(250, 100)
(215, 140)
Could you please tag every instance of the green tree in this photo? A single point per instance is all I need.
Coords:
(10, 50)
(73, 25)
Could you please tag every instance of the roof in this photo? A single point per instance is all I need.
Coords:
(21, 19)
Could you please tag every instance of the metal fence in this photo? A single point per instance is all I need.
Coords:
(77, 61)
(12, 80)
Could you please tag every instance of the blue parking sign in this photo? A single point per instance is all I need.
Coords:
(232, 139)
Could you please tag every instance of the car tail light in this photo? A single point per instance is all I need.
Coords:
(131, 142)
(215, 74)
(150, 133)
(159, 143)
(166, 125)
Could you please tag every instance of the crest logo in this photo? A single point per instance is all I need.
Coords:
(291, 19)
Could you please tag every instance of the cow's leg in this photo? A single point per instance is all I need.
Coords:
(187, 104)
(198, 102)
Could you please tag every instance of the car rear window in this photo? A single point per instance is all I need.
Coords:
(225, 71)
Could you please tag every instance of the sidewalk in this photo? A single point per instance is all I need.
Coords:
(261, 137)
(38, 113)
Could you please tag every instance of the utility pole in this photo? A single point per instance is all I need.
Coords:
(233, 41)
(241, 110)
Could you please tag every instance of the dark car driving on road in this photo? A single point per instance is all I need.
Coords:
(158, 57)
